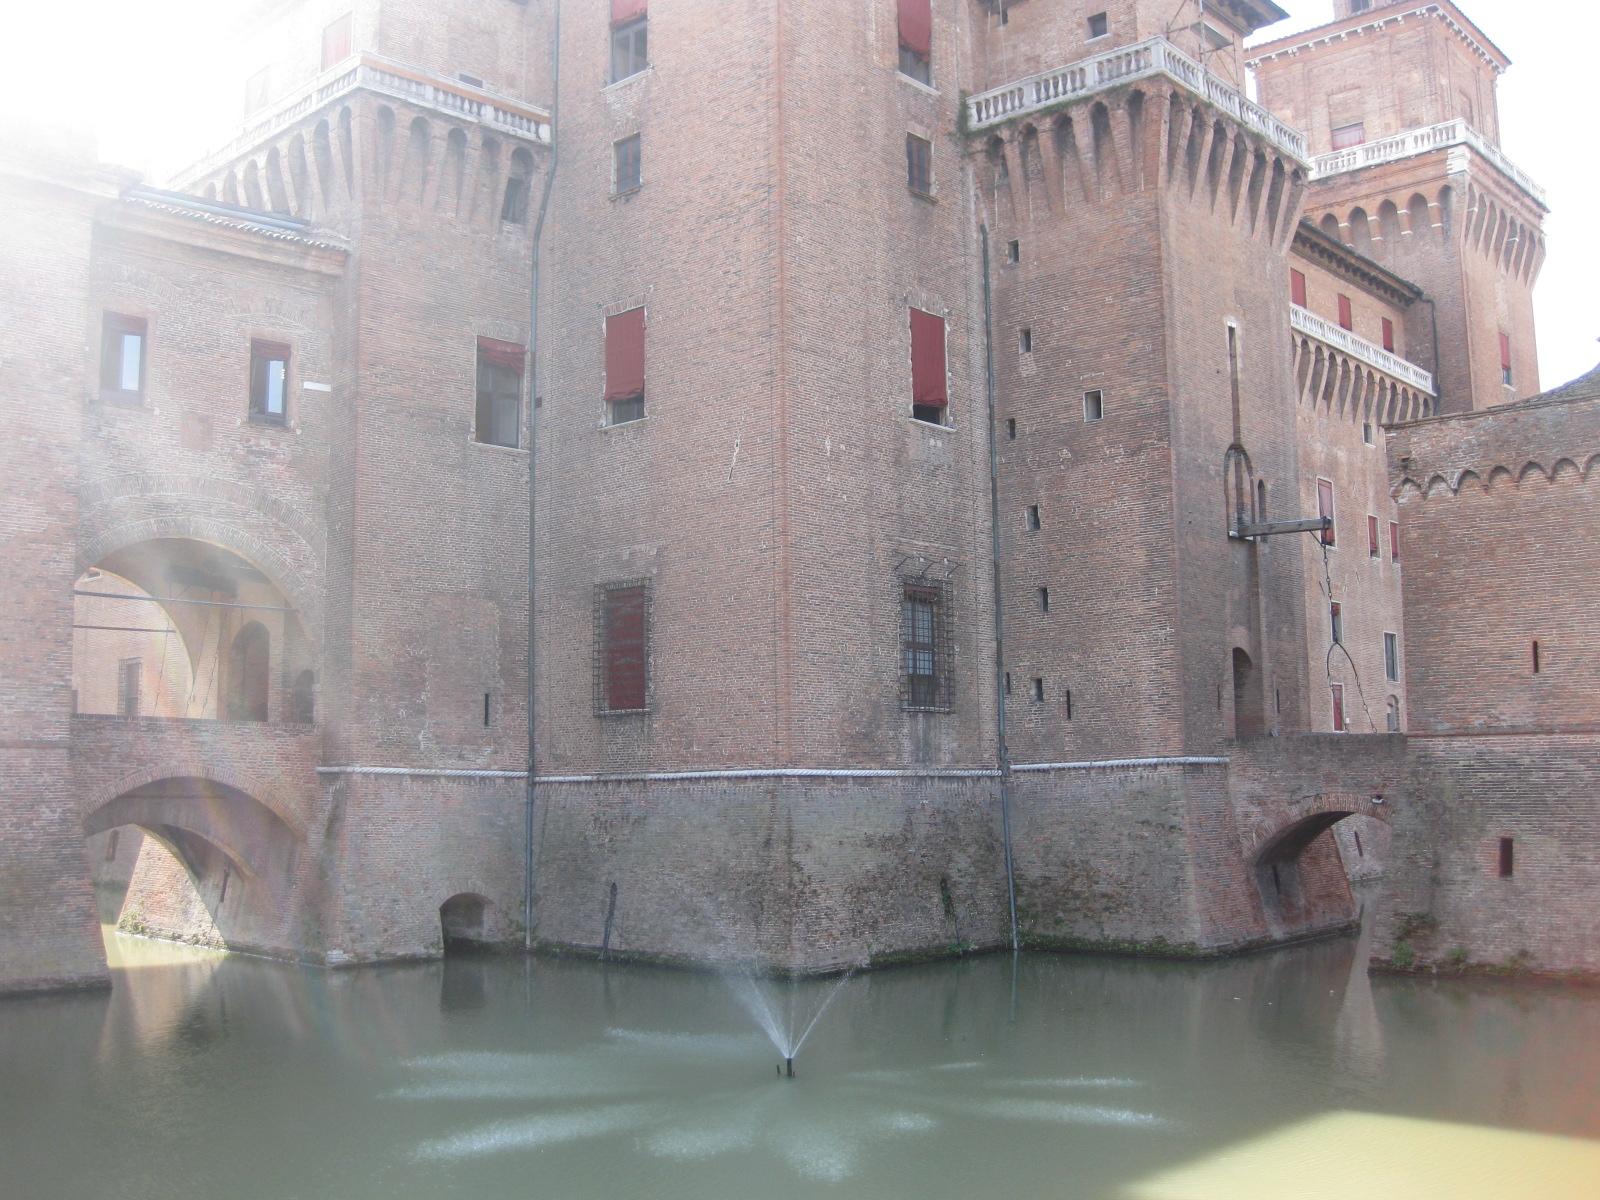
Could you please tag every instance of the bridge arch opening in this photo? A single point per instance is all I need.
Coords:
(193, 860)
(1303, 871)
(466, 922)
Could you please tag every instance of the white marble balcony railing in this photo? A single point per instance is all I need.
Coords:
(1421, 141)
(1307, 322)
(1142, 60)
(377, 74)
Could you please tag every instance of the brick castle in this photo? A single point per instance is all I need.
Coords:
(803, 484)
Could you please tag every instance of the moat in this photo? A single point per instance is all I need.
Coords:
(1291, 1073)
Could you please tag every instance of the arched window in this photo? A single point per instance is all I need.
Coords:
(249, 660)
(1248, 719)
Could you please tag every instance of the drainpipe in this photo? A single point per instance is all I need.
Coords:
(1001, 748)
(533, 460)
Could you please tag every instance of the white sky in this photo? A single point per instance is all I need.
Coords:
(143, 74)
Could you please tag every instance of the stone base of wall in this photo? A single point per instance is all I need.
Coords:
(1447, 906)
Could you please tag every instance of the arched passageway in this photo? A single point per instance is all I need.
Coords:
(200, 862)
(1301, 876)
(464, 923)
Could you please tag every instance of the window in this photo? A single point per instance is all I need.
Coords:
(924, 675)
(1094, 405)
(1338, 707)
(1336, 622)
(929, 394)
(1372, 536)
(1346, 313)
(1394, 541)
(1098, 26)
(1366, 433)
(1345, 136)
(1505, 359)
(1011, 429)
(1025, 340)
(630, 30)
(255, 91)
(626, 165)
(1013, 251)
(1388, 335)
(1391, 714)
(1033, 516)
(1038, 689)
(1297, 287)
(919, 164)
(122, 343)
(1044, 599)
(269, 382)
(622, 647)
(1008, 683)
(624, 393)
(1536, 663)
(1507, 858)
(1391, 657)
(1325, 508)
(469, 80)
(915, 19)
(498, 419)
(336, 42)
(519, 182)
(129, 671)
(1360, 6)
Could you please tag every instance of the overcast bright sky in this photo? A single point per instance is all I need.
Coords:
(143, 74)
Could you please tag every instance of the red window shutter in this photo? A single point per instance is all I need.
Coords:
(336, 42)
(1394, 541)
(1372, 536)
(1297, 287)
(1505, 352)
(1325, 508)
(1347, 318)
(502, 354)
(625, 651)
(625, 355)
(623, 11)
(916, 26)
(1388, 335)
(927, 360)
(1338, 706)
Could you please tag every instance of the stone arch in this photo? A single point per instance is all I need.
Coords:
(1330, 226)
(252, 187)
(322, 159)
(277, 194)
(1418, 218)
(383, 144)
(463, 921)
(455, 171)
(230, 188)
(414, 171)
(1275, 196)
(299, 175)
(1295, 863)
(248, 682)
(1249, 701)
(1361, 232)
(1389, 225)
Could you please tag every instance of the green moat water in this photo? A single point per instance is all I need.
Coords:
(1290, 1074)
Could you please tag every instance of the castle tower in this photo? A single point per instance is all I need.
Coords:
(1399, 103)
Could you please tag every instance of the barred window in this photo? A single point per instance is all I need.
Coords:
(925, 657)
(622, 647)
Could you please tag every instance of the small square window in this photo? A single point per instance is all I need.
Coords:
(1098, 26)
(1025, 340)
(269, 382)
(1033, 516)
(1094, 405)
(630, 48)
(122, 355)
(626, 165)
(1013, 251)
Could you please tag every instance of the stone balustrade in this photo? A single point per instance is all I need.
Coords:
(1443, 136)
(386, 77)
(1304, 321)
(1142, 60)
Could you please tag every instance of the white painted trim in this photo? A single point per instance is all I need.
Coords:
(308, 386)
(1180, 760)
(782, 772)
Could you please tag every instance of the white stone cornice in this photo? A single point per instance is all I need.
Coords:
(1307, 322)
(1378, 19)
(1148, 59)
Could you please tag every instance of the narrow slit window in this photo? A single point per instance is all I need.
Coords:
(1038, 689)
(1033, 516)
(1069, 704)
(498, 418)
(1373, 548)
(1391, 657)
(1094, 405)
(930, 395)
(1336, 623)
(1025, 340)
(1388, 335)
(1394, 541)
(1011, 429)
(486, 709)
(624, 389)
(122, 357)
(1505, 359)
(1536, 663)
(1359, 852)
(269, 382)
(919, 164)
(1044, 599)
(1507, 862)
(1008, 683)
(1366, 433)
(1337, 691)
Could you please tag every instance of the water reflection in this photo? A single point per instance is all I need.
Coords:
(212, 1075)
